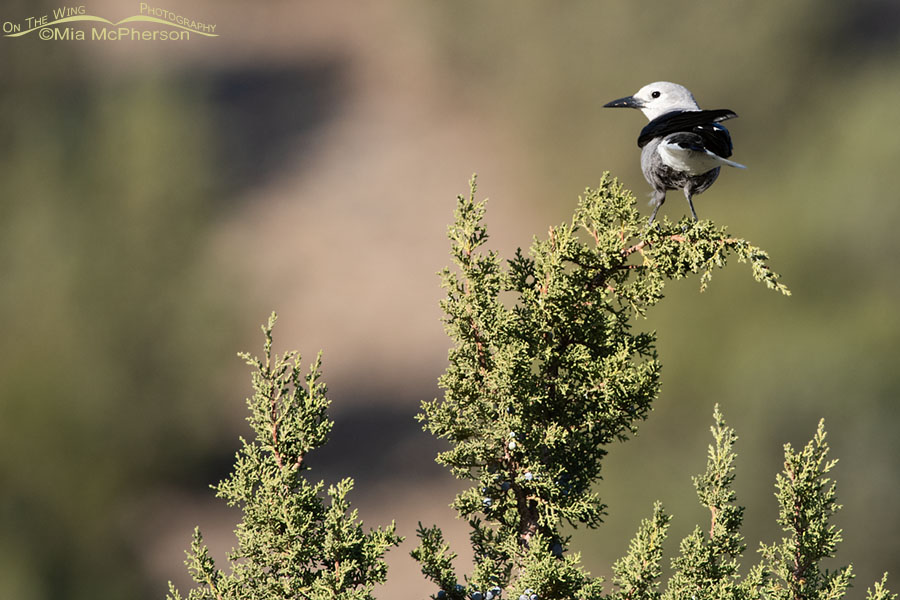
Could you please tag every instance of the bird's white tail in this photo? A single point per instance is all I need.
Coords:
(731, 163)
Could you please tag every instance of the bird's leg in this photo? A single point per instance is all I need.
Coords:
(659, 196)
(688, 193)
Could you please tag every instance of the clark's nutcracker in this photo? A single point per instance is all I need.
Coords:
(683, 146)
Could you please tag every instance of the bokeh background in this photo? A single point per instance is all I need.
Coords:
(157, 201)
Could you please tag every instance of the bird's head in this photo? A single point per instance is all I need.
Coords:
(657, 99)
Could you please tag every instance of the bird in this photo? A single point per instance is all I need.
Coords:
(682, 147)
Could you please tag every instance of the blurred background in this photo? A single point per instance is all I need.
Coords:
(158, 200)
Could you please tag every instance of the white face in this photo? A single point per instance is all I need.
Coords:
(658, 98)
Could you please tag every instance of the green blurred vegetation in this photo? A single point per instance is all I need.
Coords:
(109, 309)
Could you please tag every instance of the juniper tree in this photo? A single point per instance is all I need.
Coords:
(545, 372)
(291, 545)
(807, 499)
(708, 561)
(707, 566)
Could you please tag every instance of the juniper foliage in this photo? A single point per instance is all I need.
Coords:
(708, 561)
(707, 566)
(545, 372)
(807, 499)
(291, 544)
(636, 575)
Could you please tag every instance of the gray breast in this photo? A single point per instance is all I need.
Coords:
(663, 177)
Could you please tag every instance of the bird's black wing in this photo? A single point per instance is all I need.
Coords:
(703, 123)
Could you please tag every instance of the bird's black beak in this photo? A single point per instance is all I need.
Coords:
(626, 102)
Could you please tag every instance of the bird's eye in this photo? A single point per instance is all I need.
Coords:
(654, 95)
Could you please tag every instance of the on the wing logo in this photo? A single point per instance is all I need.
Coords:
(74, 23)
